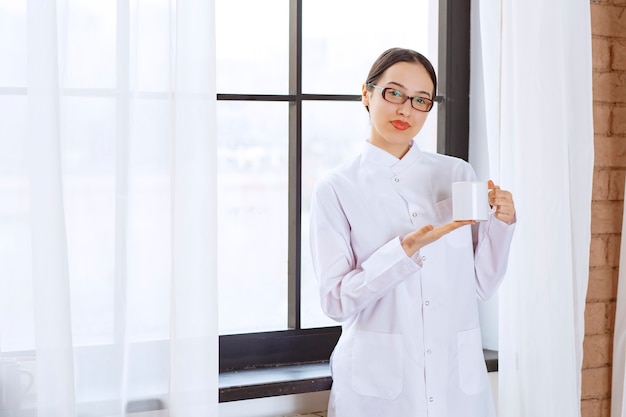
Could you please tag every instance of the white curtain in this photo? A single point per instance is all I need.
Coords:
(618, 391)
(531, 104)
(108, 212)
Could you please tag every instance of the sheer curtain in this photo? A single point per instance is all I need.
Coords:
(531, 98)
(107, 208)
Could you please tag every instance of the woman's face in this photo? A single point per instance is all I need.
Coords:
(394, 125)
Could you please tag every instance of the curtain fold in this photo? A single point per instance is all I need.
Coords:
(532, 111)
(116, 207)
(50, 274)
(193, 379)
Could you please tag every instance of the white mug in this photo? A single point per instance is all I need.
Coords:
(470, 201)
(14, 382)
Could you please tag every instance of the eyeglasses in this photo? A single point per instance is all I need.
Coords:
(396, 96)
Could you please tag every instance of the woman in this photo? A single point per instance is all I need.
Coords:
(402, 277)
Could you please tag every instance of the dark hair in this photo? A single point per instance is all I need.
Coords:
(393, 56)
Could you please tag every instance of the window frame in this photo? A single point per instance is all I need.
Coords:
(302, 346)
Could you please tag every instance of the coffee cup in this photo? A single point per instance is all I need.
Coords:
(470, 201)
(14, 383)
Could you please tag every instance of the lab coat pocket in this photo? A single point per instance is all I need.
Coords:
(377, 369)
(472, 370)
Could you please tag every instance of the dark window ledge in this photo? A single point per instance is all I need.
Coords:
(290, 379)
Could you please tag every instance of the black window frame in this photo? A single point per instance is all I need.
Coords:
(302, 346)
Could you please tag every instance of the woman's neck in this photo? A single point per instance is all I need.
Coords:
(396, 149)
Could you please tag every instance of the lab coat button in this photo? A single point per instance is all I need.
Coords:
(414, 214)
(423, 259)
(429, 351)
(431, 399)
(426, 303)
(396, 179)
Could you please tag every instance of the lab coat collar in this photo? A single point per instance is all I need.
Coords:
(372, 153)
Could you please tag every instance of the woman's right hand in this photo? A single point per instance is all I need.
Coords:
(416, 240)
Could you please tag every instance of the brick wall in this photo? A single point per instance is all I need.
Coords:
(608, 25)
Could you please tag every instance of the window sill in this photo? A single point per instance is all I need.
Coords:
(290, 379)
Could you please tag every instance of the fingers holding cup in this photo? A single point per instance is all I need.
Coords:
(502, 203)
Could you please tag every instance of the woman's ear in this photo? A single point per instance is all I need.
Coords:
(365, 98)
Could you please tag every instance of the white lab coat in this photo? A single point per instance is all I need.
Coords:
(410, 343)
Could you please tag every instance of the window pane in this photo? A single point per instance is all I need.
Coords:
(91, 165)
(253, 216)
(339, 47)
(328, 140)
(149, 221)
(90, 59)
(150, 40)
(89, 154)
(252, 46)
(118, 196)
(16, 297)
(13, 70)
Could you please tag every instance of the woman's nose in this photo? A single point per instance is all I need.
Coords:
(405, 108)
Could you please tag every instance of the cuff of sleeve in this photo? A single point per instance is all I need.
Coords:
(389, 257)
(416, 257)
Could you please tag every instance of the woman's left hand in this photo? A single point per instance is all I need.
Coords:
(502, 200)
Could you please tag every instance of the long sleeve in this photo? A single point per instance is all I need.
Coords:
(345, 287)
(491, 255)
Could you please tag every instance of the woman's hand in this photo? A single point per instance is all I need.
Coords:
(416, 240)
(502, 200)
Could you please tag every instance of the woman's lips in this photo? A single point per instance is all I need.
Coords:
(400, 125)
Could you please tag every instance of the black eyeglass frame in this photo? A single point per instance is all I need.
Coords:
(436, 99)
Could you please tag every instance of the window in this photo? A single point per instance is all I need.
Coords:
(288, 110)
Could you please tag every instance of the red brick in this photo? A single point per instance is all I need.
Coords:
(605, 407)
(600, 189)
(618, 49)
(596, 319)
(601, 53)
(595, 407)
(611, 308)
(607, 20)
(606, 217)
(597, 350)
(597, 255)
(609, 151)
(609, 87)
(596, 383)
(602, 284)
(618, 121)
(613, 250)
(616, 186)
(590, 408)
(601, 118)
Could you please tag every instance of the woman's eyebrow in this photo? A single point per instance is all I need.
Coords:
(402, 86)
